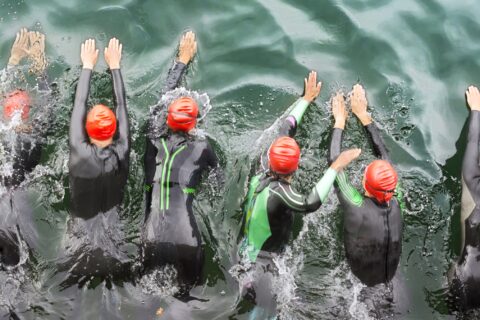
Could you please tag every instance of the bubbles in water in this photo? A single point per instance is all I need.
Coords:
(160, 282)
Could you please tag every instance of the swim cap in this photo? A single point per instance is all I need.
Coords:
(101, 123)
(182, 114)
(381, 180)
(284, 155)
(17, 100)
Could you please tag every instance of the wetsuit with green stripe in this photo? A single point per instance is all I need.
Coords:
(372, 231)
(466, 281)
(174, 164)
(271, 201)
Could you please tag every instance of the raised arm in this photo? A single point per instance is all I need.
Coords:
(359, 104)
(113, 56)
(343, 184)
(89, 57)
(471, 167)
(186, 51)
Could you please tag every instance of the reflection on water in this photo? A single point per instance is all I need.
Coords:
(414, 58)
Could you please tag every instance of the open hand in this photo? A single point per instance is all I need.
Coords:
(37, 52)
(339, 111)
(312, 88)
(113, 54)
(89, 54)
(358, 101)
(20, 47)
(345, 158)
(187, 48)
(473, 98)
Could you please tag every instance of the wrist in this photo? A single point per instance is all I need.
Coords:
(364, 118)
(13, 60)
(114, 66)
(308, 99)
(335, 166)
(88, 66)
(183, 59)
(339, 124)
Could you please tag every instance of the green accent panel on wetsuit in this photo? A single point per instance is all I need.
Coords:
(258, 226)
(325, 184)
(167, 156)
(188, 190)
(168, 176)
(250, 200)
(348, 190)
(298, 109)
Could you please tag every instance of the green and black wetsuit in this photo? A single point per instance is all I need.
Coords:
(20, 154)
(98, 177)
(372, 231)
(174, 163)
(466, 282)
(271, 201)
(271, 204)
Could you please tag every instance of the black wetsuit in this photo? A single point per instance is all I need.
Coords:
(372, 230)
(97, 180)
(174, 163)
(466, 281)
(21, 150)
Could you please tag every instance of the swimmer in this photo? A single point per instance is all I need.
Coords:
(175, 159)
(98, 170)
(21, 145)
(272, 202)
(372, 221)
(465, 281)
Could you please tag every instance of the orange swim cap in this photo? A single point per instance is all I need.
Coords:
(17, 100)
(182, 114)
(381, 180)
(284, 155)
(101, 123)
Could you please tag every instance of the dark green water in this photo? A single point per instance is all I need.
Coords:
(415, 59)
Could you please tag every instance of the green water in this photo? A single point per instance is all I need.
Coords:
(415, 59)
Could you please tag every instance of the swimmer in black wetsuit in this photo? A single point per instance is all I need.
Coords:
(271, 201)
(175, 160)
(373, 221)
(21, 145)
(98, 170)
(465, 283)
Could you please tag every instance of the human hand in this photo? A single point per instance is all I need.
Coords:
(312, 88)
(19, 48)
(113, 54)
(37, 52)
(358, 101)
(339, 111)
(89, 54)
(187, 48)
(473, 98)
(345, 158)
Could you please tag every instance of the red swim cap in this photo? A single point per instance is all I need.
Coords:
(17, 100)
(381, 180)
(182, 114)
(284, 155)
(101, 123)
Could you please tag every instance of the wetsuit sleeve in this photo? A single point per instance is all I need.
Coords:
(121, 109)
(342, 182)
(297, 202)
(297, 110)
(471, 167)
(377, 141)
(150, 166)
(174, 76)
(78, 135)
